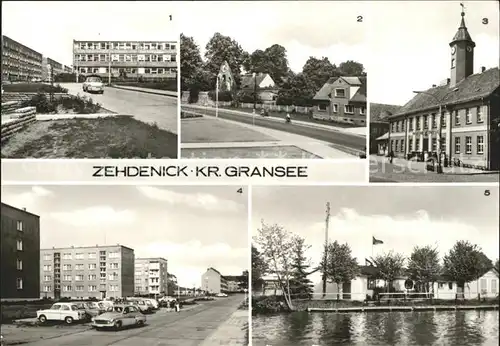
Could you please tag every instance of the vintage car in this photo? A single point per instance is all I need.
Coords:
(143, 306)
(121, 316)
(93, 84)
(67, 312)
(92, 309)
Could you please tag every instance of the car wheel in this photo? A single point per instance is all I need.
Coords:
(140, 323)
(42, 318)
(118, 325)
(68, 320)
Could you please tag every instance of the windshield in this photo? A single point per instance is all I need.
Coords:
(94, 79)
(118, 309)
(74, 307)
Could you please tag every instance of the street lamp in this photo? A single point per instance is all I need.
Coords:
(254, 75)
(439, 169)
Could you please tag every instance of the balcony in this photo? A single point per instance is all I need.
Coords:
(125, 51)
(131, 64)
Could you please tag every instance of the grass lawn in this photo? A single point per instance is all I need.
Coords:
(278, 152)
(16, 311)
(34, 88)
(110, 137)
(169, 85)
(209, 130)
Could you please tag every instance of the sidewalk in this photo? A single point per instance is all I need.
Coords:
(232, 332)
(146, 90)
(355, 131)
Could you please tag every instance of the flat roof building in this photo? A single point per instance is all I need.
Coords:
(141, 60)
(19, 62)
(85, 272)
(20, 254)
(213, 282)
(55, 66)
(151, 276)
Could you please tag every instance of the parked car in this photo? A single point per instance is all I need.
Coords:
(120, 316)
(67, 312)
(91, 308)
(154, 303)
(106, 304)
(142, 305)
(221, 295)
(93, 84)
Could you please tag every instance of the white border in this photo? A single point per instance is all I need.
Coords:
(250, 227)
(179, 94)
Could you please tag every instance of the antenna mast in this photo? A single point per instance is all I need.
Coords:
(327, 222)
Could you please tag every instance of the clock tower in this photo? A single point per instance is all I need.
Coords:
(462, 54)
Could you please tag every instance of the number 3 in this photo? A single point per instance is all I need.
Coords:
(485, 20)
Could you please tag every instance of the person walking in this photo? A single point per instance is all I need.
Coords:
(177, 306)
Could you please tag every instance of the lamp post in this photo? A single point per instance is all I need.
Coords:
(217, 96)
(109, 63)
(254, 75)
(439, 168)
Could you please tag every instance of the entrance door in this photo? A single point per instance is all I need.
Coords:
(425, 146)
(346, 290)
(103, 295)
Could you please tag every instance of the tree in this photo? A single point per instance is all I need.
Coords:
(497, 267)
(352, 68)
(222, 48)
(295, 91)
(301, 286)
(276, 247)
(171, 284)
(340, 266)
(424, 266)
(259, 268)
(390, 266)
(272, 60)
(243, 283)
(316, 73)
(465, 262)
(191, 63)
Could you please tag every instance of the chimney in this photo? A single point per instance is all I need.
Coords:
(483, 69)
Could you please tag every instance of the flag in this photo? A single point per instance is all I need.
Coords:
(376, 241)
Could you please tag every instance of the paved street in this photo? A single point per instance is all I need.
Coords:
(188, 328)
(406, 171)
(146, 107)
(355, 142)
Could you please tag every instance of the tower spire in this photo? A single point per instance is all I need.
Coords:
(462, 23)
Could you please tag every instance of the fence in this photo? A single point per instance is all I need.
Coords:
(278, 108)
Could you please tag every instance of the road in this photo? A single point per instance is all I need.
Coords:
(335, 138)
(149, 108)
(186, 328)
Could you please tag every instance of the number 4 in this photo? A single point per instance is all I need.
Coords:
(240, 190)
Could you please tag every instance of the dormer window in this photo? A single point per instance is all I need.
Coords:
(339, 92)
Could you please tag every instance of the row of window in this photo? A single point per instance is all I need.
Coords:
(21, 55)
(80, 288)
(91, 266)
(152, 70)
(126, 57)
(126, 45)
(398, 126)
(397, 145)
(81, 255)
(348, 109)
(11, 46)
(80, 277)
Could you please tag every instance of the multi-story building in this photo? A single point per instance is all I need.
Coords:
(49, 64)
(20, 254)
(460, 116)
(67, 69)
(342, 99)
(151, 276)
(85, 272)
(213, 282)
(20, 63)
(379, 126)
(146, 60)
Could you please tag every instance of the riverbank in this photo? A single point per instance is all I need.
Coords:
(389, 308)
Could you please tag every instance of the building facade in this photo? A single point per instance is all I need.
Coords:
(85, 272)
(144, 60)
(213, 282)
(262, 84)
(151, 276)
(457, 120)
(50, 68)
(19, 63)
(379, 125)
(343, 100)
(20, 254)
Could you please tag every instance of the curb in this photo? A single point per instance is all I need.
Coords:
(142, 91)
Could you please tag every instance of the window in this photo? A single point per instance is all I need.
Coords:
(67, 288)
(450, 285)
(67, 278)
(19, 264)
(79, 267)
(113, 265)
(410, 144)
(92, 288)
(418, 123)
(349, 109)
(434, 122)
(322, 107)
(67, 267)
(417, 144)
(426, 122)
(92, 266)
(335, 108)
(79, 288)
(79, 256)
(339, 92)
(443, 120)
(468, 145)
(113, 276)
(410, 124)
(19, 283)
(434, 144)
(47, 278)
(47, 288)
(147, 70)
(47, 268)
(19, 226)
(79, 278)
(92, 277)
(402, 145)
(494, 283)
(480, 144)
(479, 115)
(468, 119)
(396, 146)
(362, 110)
(67, 256)
(452, 63)
(457, 145)
(440, 284)
(113, 288)
(92, 255)
(19, 245)
(457, 118)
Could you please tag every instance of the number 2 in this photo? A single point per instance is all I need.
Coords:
(240, 190)
(360, 19)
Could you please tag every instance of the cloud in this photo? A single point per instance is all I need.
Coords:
(28, 199)
(200, 200)
(95, 216)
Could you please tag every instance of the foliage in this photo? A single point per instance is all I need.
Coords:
(259, 268)
(352, 68)
(497, 267)
(247, 97)
(272, 60)
(301, 286)
(390, 266)
(34, 88)
(316, 72)
(340, 266)
(424, 266)
(191, 62)
(243, 280)
(169, 84)
(276, 246)
(465, 262)
(224, 96)
(295, 91)
(268, 304)
(41, 102)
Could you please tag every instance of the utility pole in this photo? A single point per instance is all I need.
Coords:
(327, 222)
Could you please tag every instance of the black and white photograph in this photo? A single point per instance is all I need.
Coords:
(434, 92)
(124, 265)
(89, 80)
(375, 265)
(278, 80)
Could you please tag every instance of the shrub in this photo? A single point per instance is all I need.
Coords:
(224, 96)
(41, 103)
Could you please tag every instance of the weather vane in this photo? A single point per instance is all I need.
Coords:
(463, 7)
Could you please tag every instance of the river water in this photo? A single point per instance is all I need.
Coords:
(377, 328)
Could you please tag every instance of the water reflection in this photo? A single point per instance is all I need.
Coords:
(384, 328)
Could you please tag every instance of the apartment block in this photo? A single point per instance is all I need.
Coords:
(212, 281)
(151, 276)
(20, 254)
(19, 62)
(49, 64)
(146, 60)
(85, 272)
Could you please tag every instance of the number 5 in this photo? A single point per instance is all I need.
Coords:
(487, 192)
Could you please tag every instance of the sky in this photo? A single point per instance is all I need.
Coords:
(409, 44)
(53, 25)
(304, 28)
(400, 216)
(192, 227)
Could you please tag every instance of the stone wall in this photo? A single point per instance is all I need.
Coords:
(19, 97)
(16, 120)
(304, 304)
